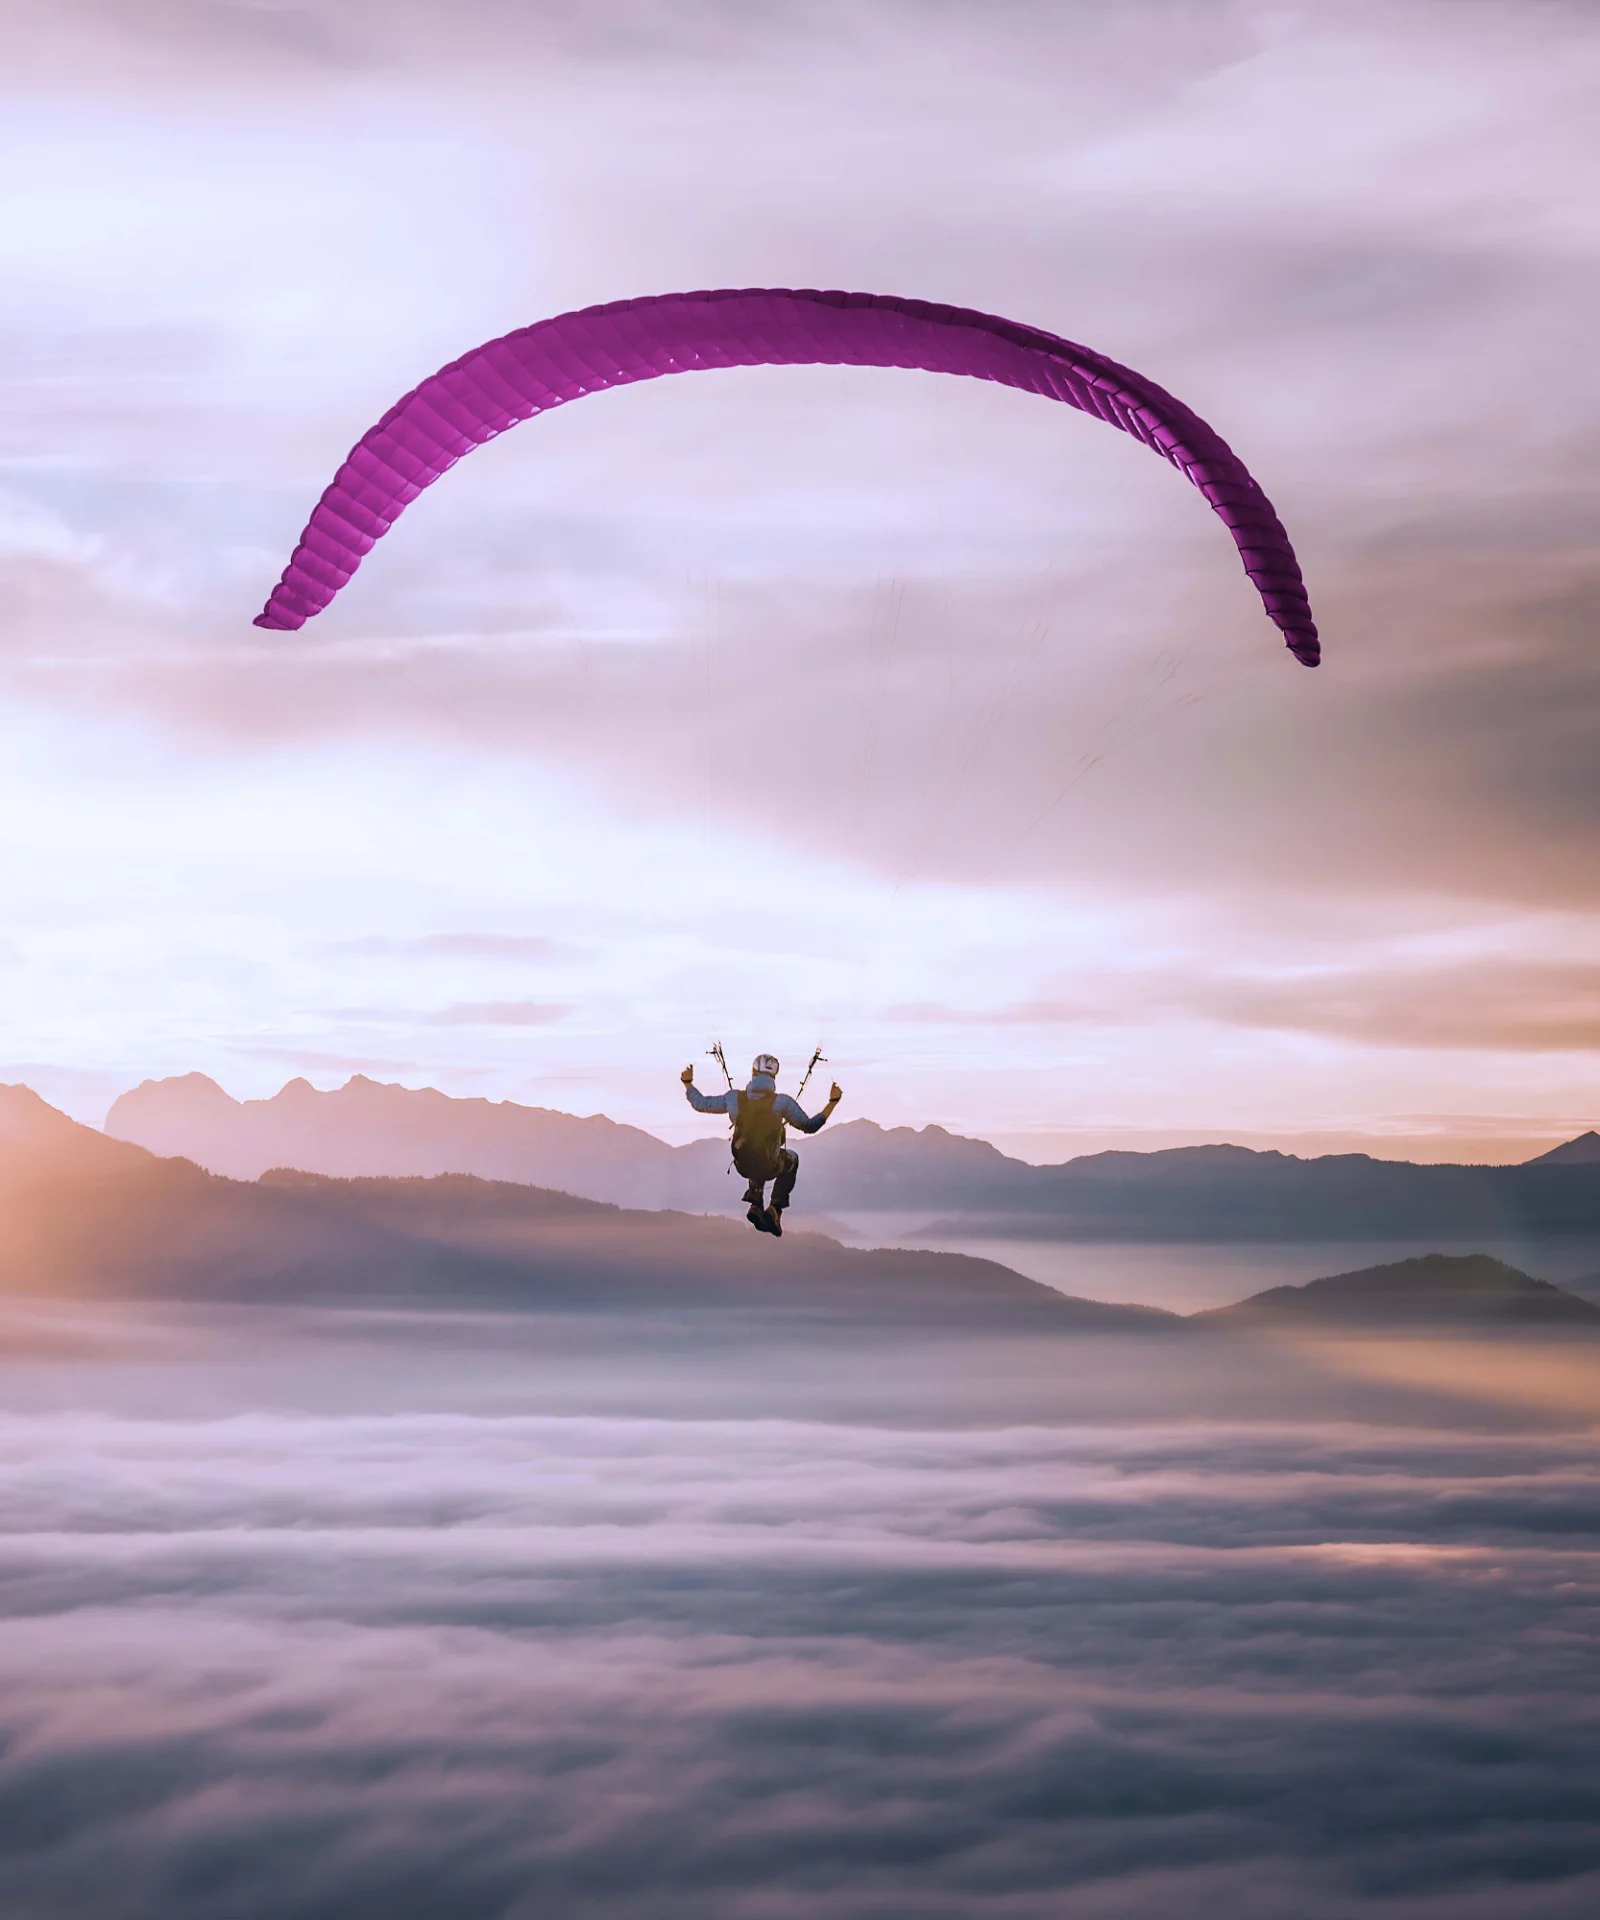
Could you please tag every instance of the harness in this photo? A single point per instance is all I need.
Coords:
(758, 1136)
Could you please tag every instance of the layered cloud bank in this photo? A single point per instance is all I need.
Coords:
(489, 1661)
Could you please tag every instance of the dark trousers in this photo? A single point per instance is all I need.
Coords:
(783, 1177)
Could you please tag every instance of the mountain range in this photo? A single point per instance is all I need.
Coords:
(965, 1187)
(88, 1216)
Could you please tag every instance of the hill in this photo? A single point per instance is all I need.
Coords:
(1434, 1291)
(86, 1216)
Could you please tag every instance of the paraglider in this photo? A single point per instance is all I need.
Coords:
(760, 1115)
(554, 361)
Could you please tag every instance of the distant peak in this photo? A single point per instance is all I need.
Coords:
(189, 1093)
(1584, 1151)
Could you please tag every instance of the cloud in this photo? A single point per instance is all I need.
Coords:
(902, 656)
(495, 1663)
(515, 947)
(1485, 1004)
(1517, 1006)
(499, 1013)
(254, 43)
(325, 1062)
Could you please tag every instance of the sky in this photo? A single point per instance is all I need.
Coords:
(902, 714)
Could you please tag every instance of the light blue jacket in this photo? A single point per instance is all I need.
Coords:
(788, 1109)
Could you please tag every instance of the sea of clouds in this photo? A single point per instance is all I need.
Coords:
(441, 1653)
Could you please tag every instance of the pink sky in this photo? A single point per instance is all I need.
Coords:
(911, 715)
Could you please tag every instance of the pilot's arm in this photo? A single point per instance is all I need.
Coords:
(798, 1118)
(702, 1102)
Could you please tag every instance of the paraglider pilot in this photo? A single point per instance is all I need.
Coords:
(760, 1115)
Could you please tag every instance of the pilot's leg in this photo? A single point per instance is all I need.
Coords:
(783, 1186)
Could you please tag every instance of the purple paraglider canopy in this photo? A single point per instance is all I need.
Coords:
(553, 361)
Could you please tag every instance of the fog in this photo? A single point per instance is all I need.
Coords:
(1189, 1278)
(354, 1614)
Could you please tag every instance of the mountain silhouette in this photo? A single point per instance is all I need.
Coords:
(84, 1215)
(372, 1127)
(368, 1127)
(1582, 1152)
(1435, 1290)
(968, 1187)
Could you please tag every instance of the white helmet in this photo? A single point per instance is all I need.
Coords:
(765, 1063)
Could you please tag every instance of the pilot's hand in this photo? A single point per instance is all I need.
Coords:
(835, 1094)
(687, 1076)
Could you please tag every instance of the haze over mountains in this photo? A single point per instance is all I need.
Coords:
(1211, 1193)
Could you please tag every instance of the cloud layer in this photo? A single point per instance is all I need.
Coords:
(497, 1663)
